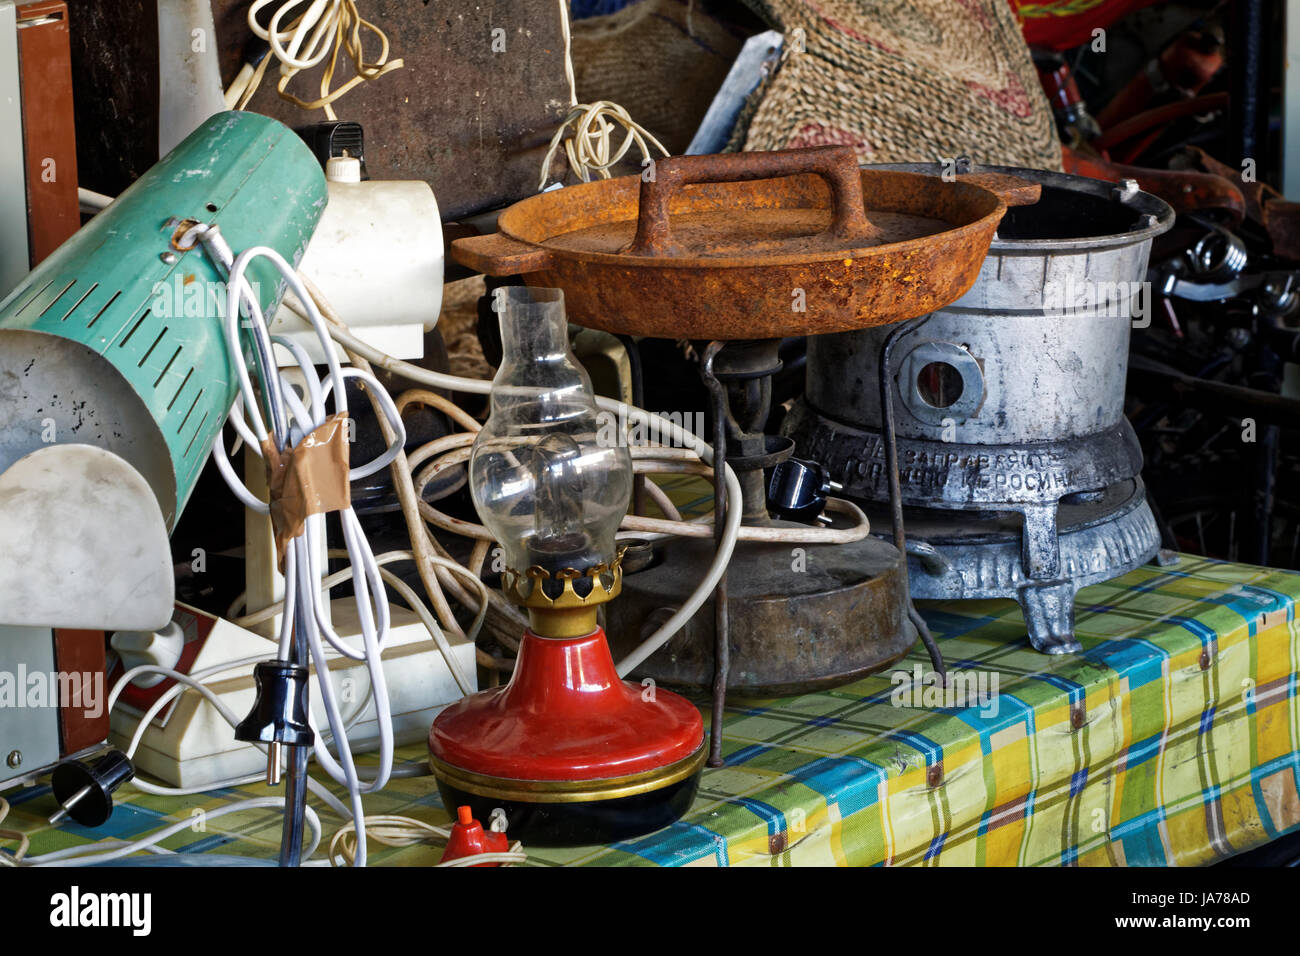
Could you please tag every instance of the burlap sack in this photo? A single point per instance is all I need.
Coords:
(916, 81)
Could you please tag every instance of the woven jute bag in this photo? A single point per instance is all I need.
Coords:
(917, 81)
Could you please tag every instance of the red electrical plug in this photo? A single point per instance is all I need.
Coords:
(468, 838)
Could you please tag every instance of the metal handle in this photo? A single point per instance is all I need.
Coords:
(497, 254)
(838, 165)
(1012, 190)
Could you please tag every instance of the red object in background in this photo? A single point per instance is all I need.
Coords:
(1073, 120)
(566, 715)
(1185, 190)
(468, 838)
(1058, 83)
(1064, 24)
(1186, 66)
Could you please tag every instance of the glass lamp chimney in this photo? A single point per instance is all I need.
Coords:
(545, 478)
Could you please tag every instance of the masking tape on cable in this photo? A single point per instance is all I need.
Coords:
(309, 478)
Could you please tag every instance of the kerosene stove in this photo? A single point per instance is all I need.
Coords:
(1019, 472)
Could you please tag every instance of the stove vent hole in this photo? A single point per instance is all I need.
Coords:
(939, 384)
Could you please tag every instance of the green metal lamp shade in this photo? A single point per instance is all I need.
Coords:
(116, 339)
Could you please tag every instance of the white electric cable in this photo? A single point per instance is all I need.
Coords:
(197, 681)
(399, 831)
(287, 420)
(301, 35)
(646, 459)
(588, 145)
(91, 201)
(673, 431)
(417, 605)
(392, 830)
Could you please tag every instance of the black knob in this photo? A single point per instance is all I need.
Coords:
(85, 791)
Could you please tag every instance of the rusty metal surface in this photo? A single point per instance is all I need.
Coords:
(837, 166)
(752, 259)
(794, 627)
(1263, 204)
(468, 117)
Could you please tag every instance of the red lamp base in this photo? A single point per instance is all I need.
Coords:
(571, 752)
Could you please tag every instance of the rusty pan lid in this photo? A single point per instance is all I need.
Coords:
(751, 245)
(739, 209)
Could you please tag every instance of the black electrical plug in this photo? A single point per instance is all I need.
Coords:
(85, 791)
(797, 490)
(279, 715)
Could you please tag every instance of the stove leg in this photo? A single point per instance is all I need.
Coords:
(1040, 548)
(1049, 617)
(721, 636)
(899, 332)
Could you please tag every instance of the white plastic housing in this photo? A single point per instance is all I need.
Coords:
(85, 543)
(378, 257)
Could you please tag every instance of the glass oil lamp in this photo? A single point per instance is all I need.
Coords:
(572, 753)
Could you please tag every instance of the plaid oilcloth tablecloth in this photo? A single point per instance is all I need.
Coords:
(1173, 738)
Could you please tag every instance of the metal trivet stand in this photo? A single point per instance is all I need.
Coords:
(851, 615)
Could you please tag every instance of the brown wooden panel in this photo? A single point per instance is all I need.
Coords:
(82, 652)
(49, 131)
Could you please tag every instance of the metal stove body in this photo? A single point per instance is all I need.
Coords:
(1020, 474)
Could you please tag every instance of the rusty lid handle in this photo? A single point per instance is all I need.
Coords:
(838, 165)
(497, 254)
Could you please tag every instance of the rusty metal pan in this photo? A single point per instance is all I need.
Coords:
(751, 245)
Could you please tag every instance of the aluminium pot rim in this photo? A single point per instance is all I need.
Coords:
(1142, 203)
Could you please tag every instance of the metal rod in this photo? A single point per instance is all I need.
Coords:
(72, 801)
(1247, 84)
(295, 790)
(721, 637)
(888, 435)
(273, 755)
(1148, 376)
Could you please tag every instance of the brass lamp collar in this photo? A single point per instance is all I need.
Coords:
(570, 614)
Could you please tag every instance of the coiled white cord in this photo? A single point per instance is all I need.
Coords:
(290, 418)
(588, 145)
(671, 431)
(317, 29)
